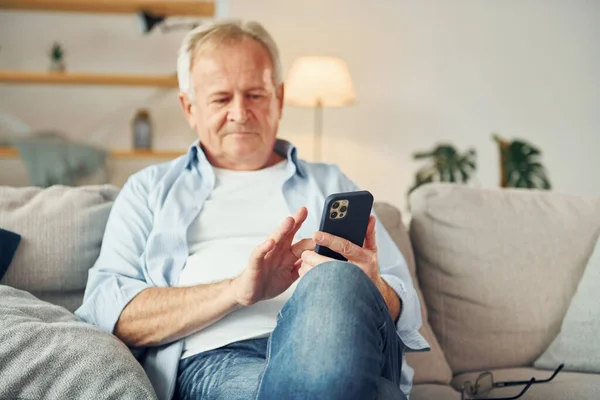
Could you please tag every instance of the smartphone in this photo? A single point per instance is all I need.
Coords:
(345, 215)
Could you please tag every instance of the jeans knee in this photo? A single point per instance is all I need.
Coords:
(339, 382)
(333, 290)
(337, 277)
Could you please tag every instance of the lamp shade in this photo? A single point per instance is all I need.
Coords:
(321, 81)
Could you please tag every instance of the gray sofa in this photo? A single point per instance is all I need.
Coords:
(495, 271)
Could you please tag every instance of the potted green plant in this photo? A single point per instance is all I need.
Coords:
(445, 164)
(520, 165)
(57, 61)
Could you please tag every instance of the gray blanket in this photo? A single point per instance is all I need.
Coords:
(47, 353)
(54, 160)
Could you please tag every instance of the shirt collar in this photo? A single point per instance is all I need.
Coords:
(282, 147)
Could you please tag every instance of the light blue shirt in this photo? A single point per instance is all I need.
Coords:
(145, 245)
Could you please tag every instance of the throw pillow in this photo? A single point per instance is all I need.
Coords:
(63, 227)
(577, 343)
(499, 266)
(9, 241)
(48, 353)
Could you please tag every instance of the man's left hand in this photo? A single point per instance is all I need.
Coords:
(364, 257)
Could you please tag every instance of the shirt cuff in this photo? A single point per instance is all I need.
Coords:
(105, 304)
(410, 321)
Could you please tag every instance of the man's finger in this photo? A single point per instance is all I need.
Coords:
(370, 237)
(299, 219)
(301, 246)
(304, 269)
(344, 247)
(260, 251)
(297, 264)
(283, 229)
(313, 259)
(296, 269)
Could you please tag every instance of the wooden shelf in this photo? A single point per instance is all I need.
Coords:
(74, 78)
(11, 152)
(143, 154)
(158, 7)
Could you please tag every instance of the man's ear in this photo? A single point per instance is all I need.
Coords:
(187, 106)
(280, 92)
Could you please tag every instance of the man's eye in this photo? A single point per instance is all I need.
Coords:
(221, 100)
(256, 96)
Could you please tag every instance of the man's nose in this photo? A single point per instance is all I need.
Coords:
(238, 112)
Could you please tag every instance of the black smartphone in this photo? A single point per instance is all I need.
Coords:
(345, 215)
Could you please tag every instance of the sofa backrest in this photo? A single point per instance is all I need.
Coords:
(430, 366)
(498, 268)
(61, 229)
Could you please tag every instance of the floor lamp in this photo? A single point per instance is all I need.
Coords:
(319, 82)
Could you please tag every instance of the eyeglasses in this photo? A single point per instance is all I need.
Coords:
(484, 384)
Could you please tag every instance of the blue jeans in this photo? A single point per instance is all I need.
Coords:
(334, 339)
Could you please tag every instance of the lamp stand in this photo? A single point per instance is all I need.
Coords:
(318, 143)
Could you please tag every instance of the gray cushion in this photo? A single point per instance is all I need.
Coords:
(566, 385)
(62, 230)
(430, 366)
(71, 300)
(498, 268)
(578, 343)
(48, 353)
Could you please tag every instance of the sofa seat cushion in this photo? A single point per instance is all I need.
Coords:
(434, 392)
(48, 353)
(498, 268)
(565, 385)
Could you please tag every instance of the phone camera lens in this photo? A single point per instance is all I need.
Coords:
(333, 214)
(336, 205)
(343, 209)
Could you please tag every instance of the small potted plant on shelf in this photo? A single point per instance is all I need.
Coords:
(57, 61)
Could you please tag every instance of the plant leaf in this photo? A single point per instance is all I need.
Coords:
(418, 156)
(464, 175)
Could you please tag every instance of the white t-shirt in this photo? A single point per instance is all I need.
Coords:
(241, 212)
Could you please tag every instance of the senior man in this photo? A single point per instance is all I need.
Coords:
(213, 284)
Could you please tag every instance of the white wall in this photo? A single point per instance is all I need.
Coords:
(424, 72)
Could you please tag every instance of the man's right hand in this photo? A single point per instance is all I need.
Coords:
(274, 264)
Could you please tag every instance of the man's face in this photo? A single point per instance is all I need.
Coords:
(237, 108)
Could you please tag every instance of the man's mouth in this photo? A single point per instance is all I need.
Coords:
(242, 133)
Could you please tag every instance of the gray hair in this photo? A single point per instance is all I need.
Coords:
(210, 35)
